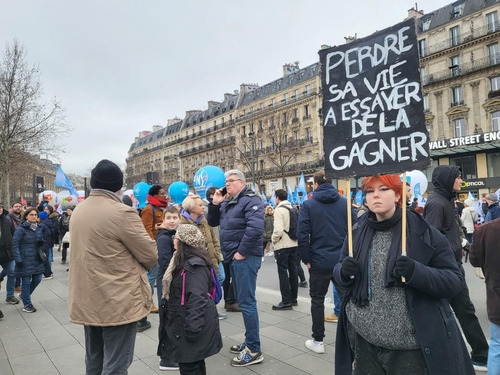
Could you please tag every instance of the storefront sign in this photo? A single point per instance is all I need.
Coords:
(465, 141)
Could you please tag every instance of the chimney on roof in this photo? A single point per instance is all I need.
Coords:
(414, 13)
(349, 39)
(290, 68)
(157, 127)
(192, 112)
(212, 103)
(173, 121)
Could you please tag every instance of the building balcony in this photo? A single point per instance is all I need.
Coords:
(464, 69)
(462, 38)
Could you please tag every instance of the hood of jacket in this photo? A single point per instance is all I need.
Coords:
(326, 193)
(443, 179)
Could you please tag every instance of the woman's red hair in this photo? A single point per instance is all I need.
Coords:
(392, 181)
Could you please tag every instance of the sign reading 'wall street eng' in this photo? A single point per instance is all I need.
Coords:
(373, 113)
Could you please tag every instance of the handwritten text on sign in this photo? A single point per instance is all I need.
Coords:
(372, 105)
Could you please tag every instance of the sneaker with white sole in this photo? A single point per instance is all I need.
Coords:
(29, 308)
(480, 366)
(247, 358)
(168, 365)
(237, 349)
(315, 346)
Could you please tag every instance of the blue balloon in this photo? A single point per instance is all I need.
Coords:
(178, 191)
(141, 191)
(206, 177)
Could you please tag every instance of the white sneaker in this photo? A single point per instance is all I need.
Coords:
(316, 347)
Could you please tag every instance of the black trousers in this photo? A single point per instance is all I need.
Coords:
(227, 286)
(319, 282)
(300, 270)
(286, 261)
(193, 368)
(466, 315)
(374, 360)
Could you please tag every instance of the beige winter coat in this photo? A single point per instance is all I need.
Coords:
(110, 253)
(281, 223)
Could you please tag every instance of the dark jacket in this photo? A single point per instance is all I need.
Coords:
(63, 225)
(193, 328)
(54, 217)
(493, 212)
(165, 246)
(436, 278)
(25, 246)
(322, 227)
(6, 232)
(439, 211)
(268, 227)
(48, 234)
(484, 253)
(241, 221)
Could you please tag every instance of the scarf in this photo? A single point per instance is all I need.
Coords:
(33, 226)
(159, 202)
(360, 292)
(186, 214)
(167, 278)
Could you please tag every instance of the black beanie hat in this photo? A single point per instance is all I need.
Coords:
(106, 175)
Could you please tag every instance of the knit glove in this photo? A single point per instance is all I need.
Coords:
(405, 266)
(349, 268)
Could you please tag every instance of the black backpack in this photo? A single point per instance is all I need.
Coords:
(294, 219)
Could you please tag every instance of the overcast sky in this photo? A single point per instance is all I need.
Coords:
(119, 67)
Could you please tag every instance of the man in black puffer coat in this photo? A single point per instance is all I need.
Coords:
(6, 257)
(439, 212)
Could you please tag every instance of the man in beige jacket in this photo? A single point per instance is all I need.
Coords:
(285, 252)
(108, 288)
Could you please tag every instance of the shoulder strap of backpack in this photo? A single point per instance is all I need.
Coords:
(183, 291)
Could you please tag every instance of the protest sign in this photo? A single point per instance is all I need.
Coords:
(373, 115)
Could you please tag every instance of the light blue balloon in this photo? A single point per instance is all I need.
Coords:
(178, 191)
(206, 177)
(141, 191)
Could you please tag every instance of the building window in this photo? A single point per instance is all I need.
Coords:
(495, 121)
(306, 112)
(455, 66)
(273, 102)
(296, 135)
(284, 118)
(296, 94)
(459, 127)
(286, 98)
(423, 75)
(493, 160)
(308, 134)
(308, 90)
(458, 10)
(494, 53)
(456, 96)
(422, 47)
(295, 113)
(309, 156)
(455, 36)
(467, 164)
(495, 83)
(260, 125)
(426, 24)
(243, 131)
(492, 21)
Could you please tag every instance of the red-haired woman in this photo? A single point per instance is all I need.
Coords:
(387, 326)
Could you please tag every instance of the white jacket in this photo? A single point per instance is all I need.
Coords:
(280, 239)
(469, 216)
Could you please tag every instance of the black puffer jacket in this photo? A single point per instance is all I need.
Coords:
(439, 211)
(191, 319)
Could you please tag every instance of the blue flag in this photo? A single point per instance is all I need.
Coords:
(63, 181)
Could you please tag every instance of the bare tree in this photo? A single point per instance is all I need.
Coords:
(248, 153)
(26, 122)
(283, 146)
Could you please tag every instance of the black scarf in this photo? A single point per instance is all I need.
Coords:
(360, 292)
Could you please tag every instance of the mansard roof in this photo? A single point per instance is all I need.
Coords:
(229, 103)
(448, 14)
(282, 83)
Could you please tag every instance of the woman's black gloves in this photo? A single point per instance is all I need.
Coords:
(349, 268)
(405, 266)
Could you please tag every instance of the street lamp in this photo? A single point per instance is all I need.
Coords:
(252, 155)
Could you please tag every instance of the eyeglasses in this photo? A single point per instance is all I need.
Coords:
(231, 181)
(32, 214)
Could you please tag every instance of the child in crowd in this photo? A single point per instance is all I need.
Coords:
(191, 319)
(165, 246)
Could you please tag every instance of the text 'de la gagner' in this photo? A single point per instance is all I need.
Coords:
(373, 112)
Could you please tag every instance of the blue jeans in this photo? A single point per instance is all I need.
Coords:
(222, 274)
(336, 300)
(152, 277)
(244, 276)
(494, 351)
(28, 285)
(8, 270)
(48, 263)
